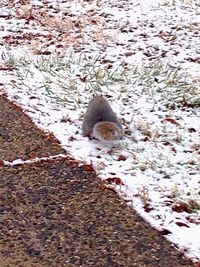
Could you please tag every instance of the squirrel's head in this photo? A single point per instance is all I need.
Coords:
(107, 131)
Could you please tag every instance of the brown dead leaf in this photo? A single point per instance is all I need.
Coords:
(181, 224)
(88, 167)
(71, 138)
(173, 121)
(114, 180)
(121, 158)
(191, 130)
(145, 139)
(180, 207)
(148, 208)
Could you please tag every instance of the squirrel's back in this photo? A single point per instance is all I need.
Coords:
(99, 110)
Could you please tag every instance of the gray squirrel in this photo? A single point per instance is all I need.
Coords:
(100, 121)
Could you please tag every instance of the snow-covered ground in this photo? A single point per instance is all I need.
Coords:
(144, 57)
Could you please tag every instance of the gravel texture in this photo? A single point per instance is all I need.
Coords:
(19, 138)
(55, 213)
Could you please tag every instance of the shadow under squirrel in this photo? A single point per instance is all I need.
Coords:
(100, 121)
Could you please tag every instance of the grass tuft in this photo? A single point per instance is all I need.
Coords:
(71, 76)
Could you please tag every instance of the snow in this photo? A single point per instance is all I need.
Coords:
(144, 57)
(35, 160)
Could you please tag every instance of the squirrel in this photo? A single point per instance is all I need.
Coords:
(100, 121)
